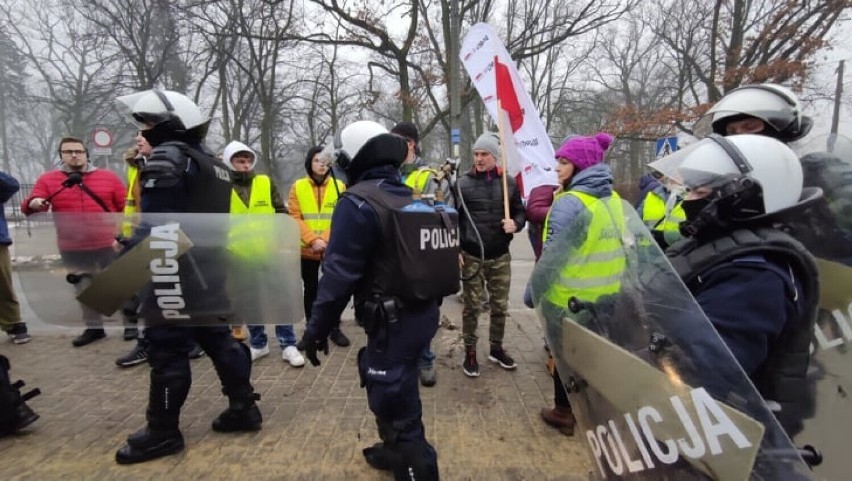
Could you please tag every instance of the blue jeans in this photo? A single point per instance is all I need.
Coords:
(426, 358)
(284, 332)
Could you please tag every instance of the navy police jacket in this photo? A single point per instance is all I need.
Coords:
(749, 300)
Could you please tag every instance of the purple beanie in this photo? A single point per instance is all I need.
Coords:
(585, 152)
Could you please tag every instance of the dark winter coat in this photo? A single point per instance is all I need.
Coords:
(482, 197)
(8, 187)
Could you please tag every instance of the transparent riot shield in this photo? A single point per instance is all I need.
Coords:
(194, 269)
(656, 392)
(826, 230)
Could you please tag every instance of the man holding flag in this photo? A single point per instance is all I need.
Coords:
(486, 192)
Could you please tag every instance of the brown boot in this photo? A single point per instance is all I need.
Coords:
(561, 418)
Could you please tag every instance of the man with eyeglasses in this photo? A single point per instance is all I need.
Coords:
(79, 187)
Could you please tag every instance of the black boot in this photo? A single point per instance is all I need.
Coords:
(380, 457)
(25, 415)
(242, 415)
(147, 444)
(14, 412)
(411, 459)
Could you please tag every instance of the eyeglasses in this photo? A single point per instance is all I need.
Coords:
(72, 152)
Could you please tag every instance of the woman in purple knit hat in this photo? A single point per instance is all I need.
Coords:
(585, 179)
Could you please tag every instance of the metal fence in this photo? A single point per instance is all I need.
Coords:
(13, 206)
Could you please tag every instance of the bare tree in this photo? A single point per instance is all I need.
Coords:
(12, 91)
(720, 45)
(75, 68)
(256, 33)
(146, 34)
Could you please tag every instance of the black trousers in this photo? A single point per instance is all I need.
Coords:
(310, 281)
(171, 378)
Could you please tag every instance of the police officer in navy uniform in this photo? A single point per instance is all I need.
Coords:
(396, 298)
(182, 175)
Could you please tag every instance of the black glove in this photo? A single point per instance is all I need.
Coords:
(311, 347)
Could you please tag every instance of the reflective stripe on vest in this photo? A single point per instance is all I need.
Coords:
(129, 202)
(417, 180)
(250, 237)
(317, 218)
(599, 261)
(260, 198)
(654, 211)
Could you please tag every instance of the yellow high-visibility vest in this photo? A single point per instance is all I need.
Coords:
(417, 180)
(317, 217)
(654, 214)
(260, 198)
(130, 207)
(599, 261)
(252, 237)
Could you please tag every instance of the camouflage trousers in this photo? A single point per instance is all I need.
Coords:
(495, 276)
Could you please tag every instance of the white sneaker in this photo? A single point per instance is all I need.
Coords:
(293, 356)
(258, 353)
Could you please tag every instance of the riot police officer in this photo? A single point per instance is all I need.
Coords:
(757, 285)
(181, 175)
(396, 297)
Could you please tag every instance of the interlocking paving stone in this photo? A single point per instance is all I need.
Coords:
(316, 420)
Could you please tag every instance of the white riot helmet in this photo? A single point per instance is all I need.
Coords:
(748, 177)
(776, 105)
(351, 152)
(348, 142)
(171, 115)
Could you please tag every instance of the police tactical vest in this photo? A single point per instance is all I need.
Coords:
(600, 259)
(209, 190)
(418, 257)
(782, 376)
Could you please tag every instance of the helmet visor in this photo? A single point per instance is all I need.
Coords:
(702, 164)
(137, 108)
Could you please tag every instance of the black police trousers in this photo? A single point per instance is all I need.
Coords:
(168, 355)
(388, 368)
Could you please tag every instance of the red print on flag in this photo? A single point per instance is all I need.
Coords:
(507, 96)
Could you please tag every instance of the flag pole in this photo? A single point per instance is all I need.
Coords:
(503, 160)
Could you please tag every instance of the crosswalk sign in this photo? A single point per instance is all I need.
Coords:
(666, 146)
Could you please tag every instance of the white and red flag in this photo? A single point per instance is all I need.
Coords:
(526, 145)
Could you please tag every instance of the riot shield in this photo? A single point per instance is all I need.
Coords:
(656, 392)
(826, 230)
(194, 269)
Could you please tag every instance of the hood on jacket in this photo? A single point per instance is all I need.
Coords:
(234, 147)
(595, 180)
(309, 158)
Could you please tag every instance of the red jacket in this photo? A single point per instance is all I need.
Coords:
(99, 231)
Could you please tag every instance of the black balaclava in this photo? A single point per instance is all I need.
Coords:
(692, 208)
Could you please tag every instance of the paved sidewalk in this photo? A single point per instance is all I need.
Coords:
(316, 420)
